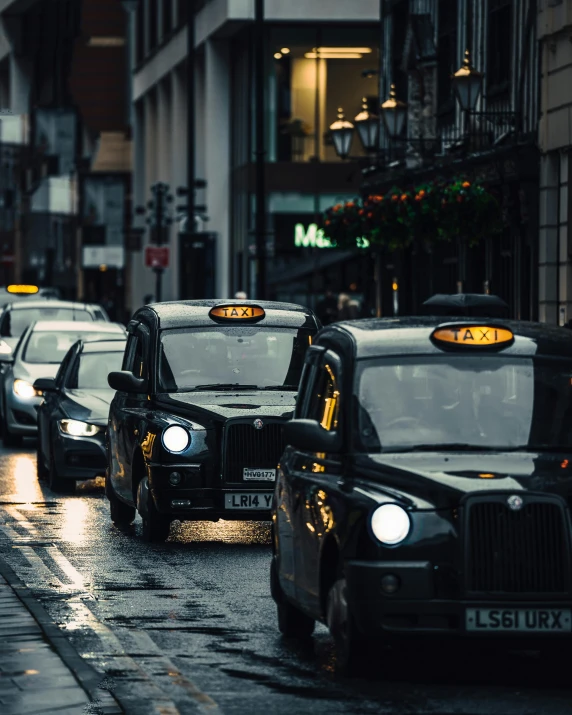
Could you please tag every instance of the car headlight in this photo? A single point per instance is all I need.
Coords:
(75, 428)
(390, 524)
(24, 389)
(176, 439)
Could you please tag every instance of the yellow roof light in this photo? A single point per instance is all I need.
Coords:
(22, 289)
(472, 336)
(343, 50)
(238, 313)
(333, 56)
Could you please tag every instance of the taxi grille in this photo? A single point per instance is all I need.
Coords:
(517, 552)
(247, 447)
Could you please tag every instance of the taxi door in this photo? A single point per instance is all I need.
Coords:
(128, 412)
(316, 487)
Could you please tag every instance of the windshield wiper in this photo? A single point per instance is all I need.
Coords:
(226, 386)
(279, 387)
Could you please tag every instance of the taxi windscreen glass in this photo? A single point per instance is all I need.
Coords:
(91, 370)
(50, 348)
(254, 357)
(461, 402)
(15, 322)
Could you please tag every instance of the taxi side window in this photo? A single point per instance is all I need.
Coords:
(135, 359)
(324, 404)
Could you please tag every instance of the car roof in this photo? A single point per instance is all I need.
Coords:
(104, 346)
(47, 303)
(379, 337)
(85, 326)
(188, 313)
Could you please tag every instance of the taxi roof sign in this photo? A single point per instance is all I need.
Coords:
(237, 313)
(22, 289)
(473, 336)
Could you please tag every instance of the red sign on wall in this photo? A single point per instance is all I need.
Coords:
(157, 256)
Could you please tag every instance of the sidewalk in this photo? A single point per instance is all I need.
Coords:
(40, 672)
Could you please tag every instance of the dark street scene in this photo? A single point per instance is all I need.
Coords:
(285, 357)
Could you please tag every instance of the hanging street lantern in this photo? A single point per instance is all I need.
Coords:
(394, 113)
(467, 84)
(367, 125)
(342, 134)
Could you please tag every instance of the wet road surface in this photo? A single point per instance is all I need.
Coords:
(189, 626)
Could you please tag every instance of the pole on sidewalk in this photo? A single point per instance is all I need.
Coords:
(260, 193)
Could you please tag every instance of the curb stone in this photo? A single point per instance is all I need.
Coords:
(93, 683)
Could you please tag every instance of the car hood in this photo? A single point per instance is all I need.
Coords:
(220, 406)
(88, 405)
(441, 480)
(31, 371)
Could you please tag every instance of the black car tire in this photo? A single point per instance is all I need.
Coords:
(156, 527)
(292, 623)
(8, 438)
(351, 647)
(58, 484)
(41, 470)
(121, 513)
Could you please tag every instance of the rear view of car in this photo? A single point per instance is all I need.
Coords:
(73, 416)
(38, 354)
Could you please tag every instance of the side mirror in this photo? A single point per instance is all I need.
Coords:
(310, 436)
(45, 384)
(125, 381)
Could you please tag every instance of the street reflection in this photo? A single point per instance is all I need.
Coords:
(23, 483)
(227, 532)
(74, 517)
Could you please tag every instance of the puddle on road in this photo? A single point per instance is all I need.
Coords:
(243, 533)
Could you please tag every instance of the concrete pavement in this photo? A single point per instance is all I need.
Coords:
(39, 674)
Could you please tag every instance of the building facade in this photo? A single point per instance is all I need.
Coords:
(64, 127)
(555, 141)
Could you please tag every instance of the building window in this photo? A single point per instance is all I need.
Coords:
(315, 71)
(153, 25)
(139, 34)
(499, 46)
(167, 17)
(448, 60)
(182, 12)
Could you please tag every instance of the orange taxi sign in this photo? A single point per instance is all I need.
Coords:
(473, 336)
(237, 312)
(22, 289)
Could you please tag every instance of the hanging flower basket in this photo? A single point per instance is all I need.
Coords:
(422, 215)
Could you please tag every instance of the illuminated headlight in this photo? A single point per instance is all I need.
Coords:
(75, 428)
(390, 524)
(176, 439)
(24, 389)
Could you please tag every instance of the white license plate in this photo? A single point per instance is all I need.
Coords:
(248, 501)
(532, 620)
(255, 475)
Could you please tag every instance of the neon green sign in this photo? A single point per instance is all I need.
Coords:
(314, 237)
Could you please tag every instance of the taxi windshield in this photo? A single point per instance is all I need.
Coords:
(253, 357)
(464, 402)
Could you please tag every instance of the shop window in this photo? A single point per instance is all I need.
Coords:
(313, 72)
(499, 46)
(448, 60)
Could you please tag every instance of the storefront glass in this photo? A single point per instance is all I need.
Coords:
(314, 71)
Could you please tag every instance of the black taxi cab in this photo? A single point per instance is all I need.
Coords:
(195, 427)
(427, 485)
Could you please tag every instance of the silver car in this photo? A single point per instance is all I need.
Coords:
(39, 353)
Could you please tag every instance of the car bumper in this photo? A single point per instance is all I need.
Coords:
(80, 457)
(415, 611)
(212, 504)
(22, 414)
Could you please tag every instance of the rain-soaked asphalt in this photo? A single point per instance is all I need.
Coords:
(189, 626)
